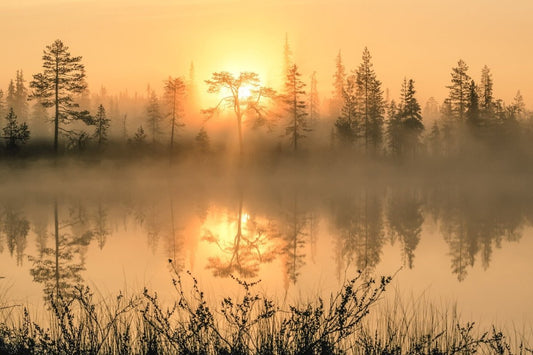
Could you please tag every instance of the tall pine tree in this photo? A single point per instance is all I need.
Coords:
(370, 104)
(295, 107)
(62, 77)
(459, 90)
(338, 86)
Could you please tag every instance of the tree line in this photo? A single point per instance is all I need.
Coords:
(360, 118)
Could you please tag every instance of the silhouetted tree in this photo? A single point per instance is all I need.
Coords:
(295, 107)
(434, 140)
(15, 133)
(394, 130)
(314, 103)
(472, 109)
(153, 116)
(21, 96)
(62, 77)
(410, 117)
(459, 90)
(202, 140)
(339, 77)
(174, 94)
(287, 58)
(11, 100)
(485, 89)
(370, 104)
(102, 124)
(347, 125)
(139, 138)
(223, 82)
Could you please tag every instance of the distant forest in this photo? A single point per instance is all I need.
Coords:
(54, 113)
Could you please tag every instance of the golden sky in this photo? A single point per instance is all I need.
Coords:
(130, 43)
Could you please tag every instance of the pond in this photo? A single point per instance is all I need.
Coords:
(451, 240)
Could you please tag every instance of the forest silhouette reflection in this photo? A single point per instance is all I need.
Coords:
(249, 226)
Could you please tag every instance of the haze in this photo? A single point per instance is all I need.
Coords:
(129, 44)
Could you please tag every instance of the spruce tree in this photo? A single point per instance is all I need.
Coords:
(411, 117)
(15, 133)
(287, 57)
(347, 126)
(314, 103)
(102, 124)
(394, 130)
(153, 116)
(485, 91)
(63, 76)
(295, 107)
(11, 97)
(459, 90)
(174, 94)
(21, 96)
(338, 85)
(472, 110)
(370, 104)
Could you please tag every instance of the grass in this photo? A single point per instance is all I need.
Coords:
(353, 321)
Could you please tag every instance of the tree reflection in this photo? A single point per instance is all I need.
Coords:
(294, 235)
(359, 221)
(473, 223)
(15, 228)
(249, 246)
(59, 268)
(405, 219)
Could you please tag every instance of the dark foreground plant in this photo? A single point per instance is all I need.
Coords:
(248, 324)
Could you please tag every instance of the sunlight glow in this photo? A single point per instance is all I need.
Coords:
(245, 92)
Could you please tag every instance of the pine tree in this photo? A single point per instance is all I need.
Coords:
(459, 90)
(174, 93)
(435, 139)
(202, 140)
(153, 116)
(21, 96)
(15, 134)
(314, 104)
(338, 86)
(102, 124)
(295, 107)
(394, 130)
(347, 126)
(287, 57)
(485, 89)
(472, 110)
(62, 77)
(139, 138)
(370, 104)
(410, 117)
(11, 97)
(518, 106)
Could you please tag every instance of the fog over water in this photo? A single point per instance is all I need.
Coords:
(301, 230)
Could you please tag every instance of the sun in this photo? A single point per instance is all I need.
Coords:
(245, 92)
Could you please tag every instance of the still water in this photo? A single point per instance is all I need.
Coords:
(467, 241)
